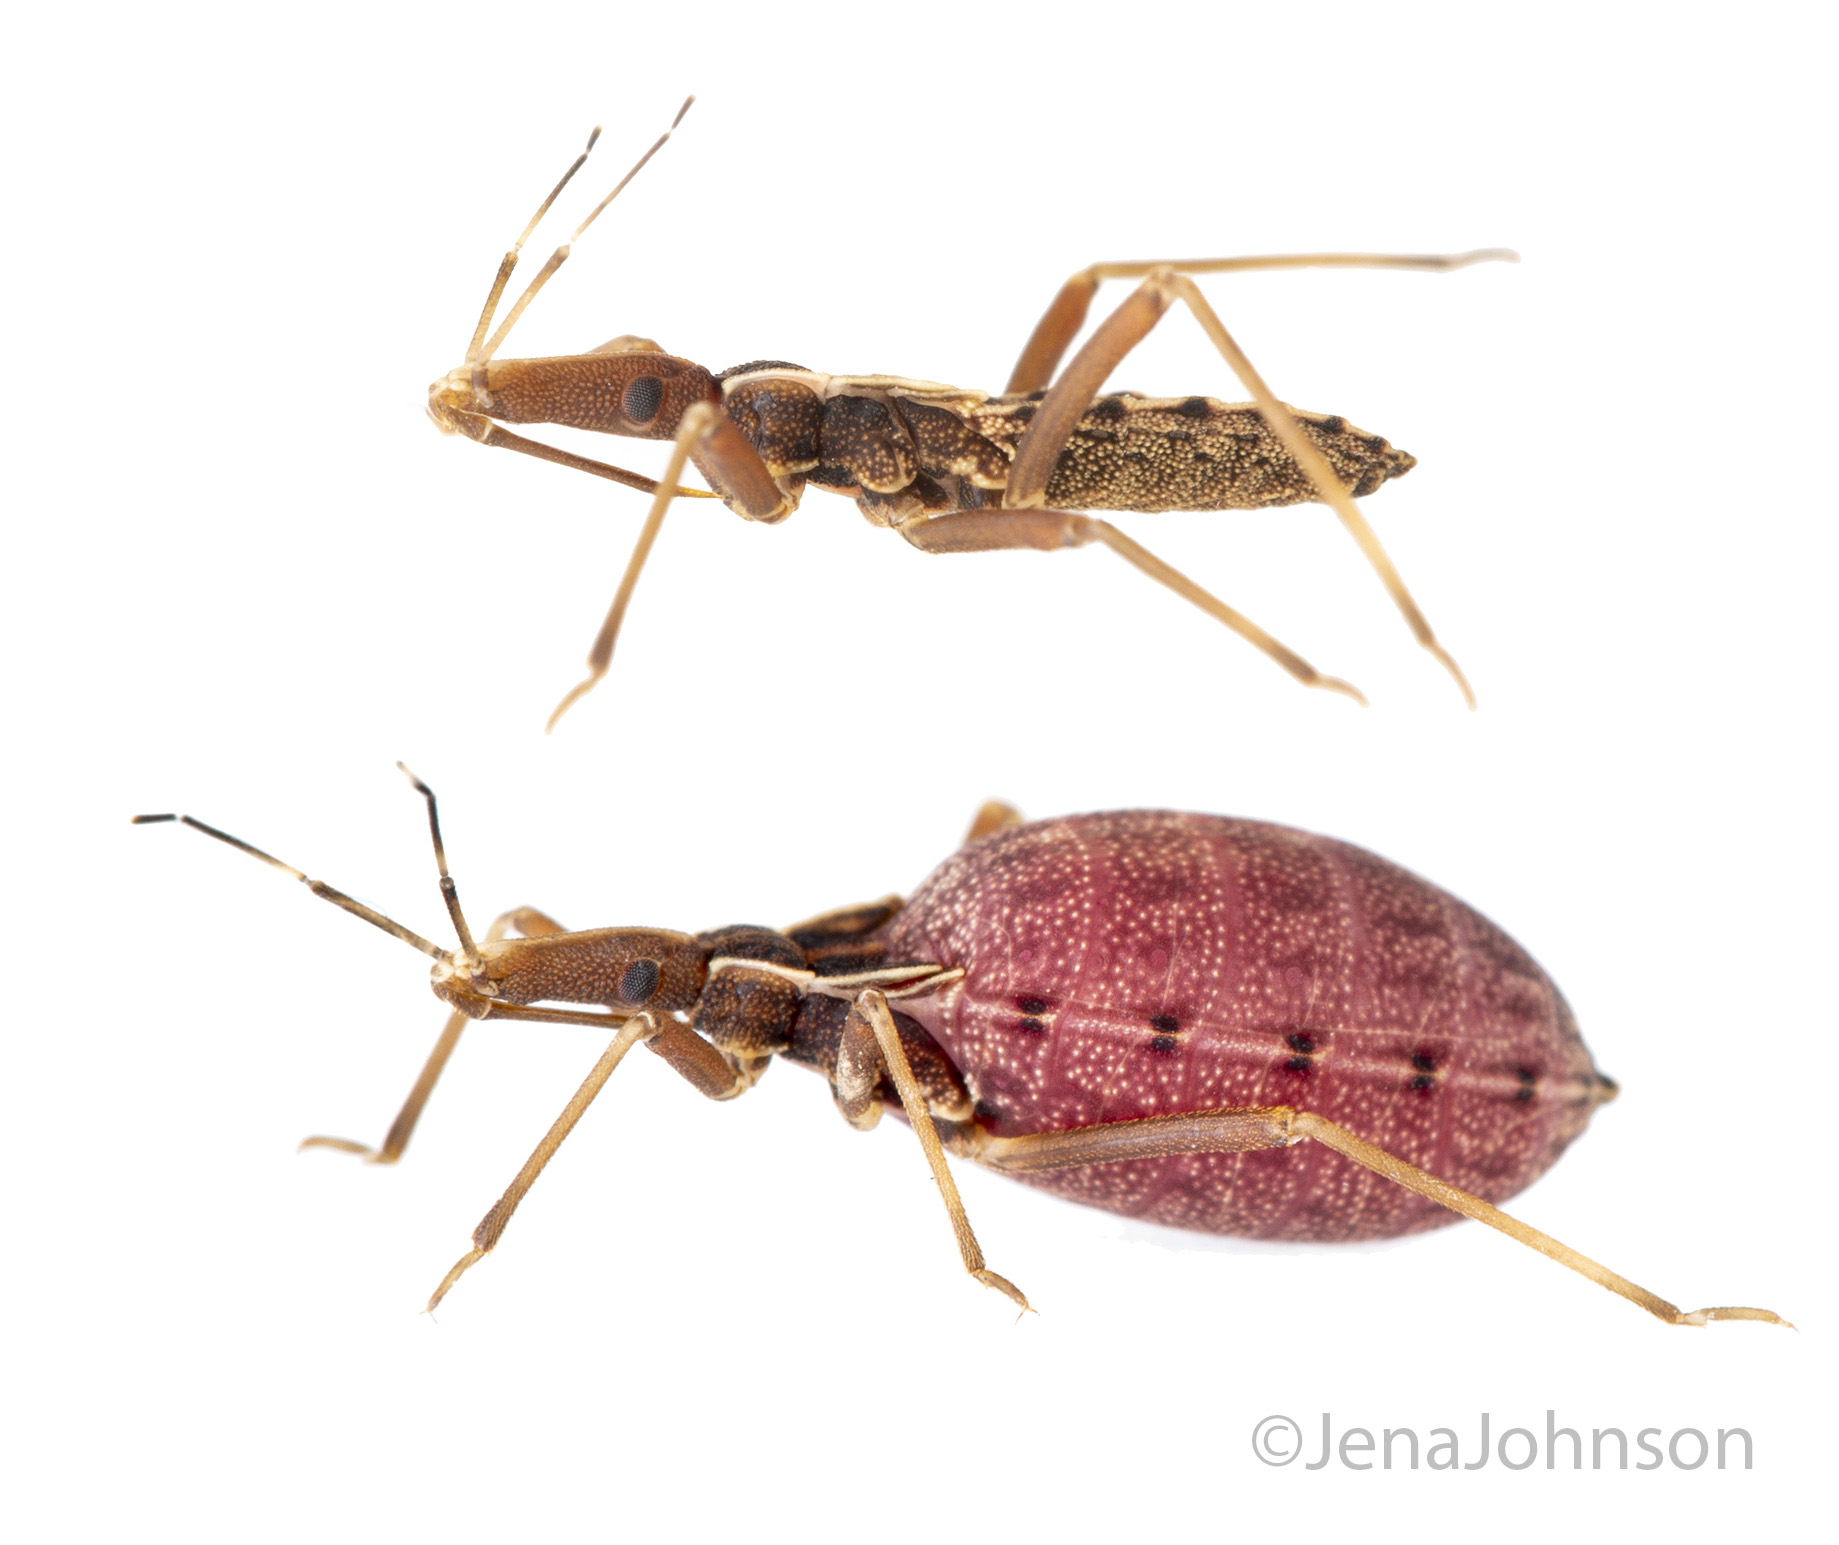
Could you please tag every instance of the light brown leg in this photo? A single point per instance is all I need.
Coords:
(1063, 319)
(531, 924)
(723, 455)
(995, 816)
(982, 531)
(700, 1064)
(477, 427)
(492, 1226)
(1239, 1131)
(870, 1047)
(1060, 411)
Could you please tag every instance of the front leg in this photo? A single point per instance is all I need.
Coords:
(530, 924)
(721, 453)
(687, 1053)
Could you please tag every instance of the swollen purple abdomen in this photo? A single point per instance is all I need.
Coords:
(1141, 963)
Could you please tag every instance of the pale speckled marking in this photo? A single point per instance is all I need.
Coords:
(1248, 934)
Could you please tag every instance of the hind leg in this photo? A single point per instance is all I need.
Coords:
(1072, 395)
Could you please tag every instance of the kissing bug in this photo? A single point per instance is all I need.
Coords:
(952, 470)
(1188, 1019)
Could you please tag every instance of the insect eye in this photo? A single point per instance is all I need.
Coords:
(643, 399)
(638, 982)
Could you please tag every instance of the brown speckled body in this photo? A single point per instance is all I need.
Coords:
(905, 453)
(1142, 963)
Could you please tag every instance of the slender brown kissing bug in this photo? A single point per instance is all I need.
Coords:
(1184, 1018)
(952, 470)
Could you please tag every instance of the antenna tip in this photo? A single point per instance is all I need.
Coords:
(149, 820)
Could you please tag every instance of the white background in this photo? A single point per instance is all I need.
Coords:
(245, 576)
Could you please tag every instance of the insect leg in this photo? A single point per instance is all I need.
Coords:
(528, 922)
(688, 1054)
(723, 456)
(492, 1225)
(1051, 335)
(871, 1047)
(1382, 1163)
(978, 531)
(1054, 420)
(1238, 1131)
(1153, 1137)
(994, 816)
(482, 431)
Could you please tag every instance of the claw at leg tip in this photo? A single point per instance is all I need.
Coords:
(453, 1276)
(1448, 662)
(575, 694)
(1008, 1289)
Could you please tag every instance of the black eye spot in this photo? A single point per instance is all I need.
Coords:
(1424, 1064)
(1031, 1005)
(1032, 1025)
(1302, 1041)
(638, 982)
(1166, 1024)
(1421, 1081)
(643, 399)
(1299, 1065)
(1334, 426)
(1163, 1044)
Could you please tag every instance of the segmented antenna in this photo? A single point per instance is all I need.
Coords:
(510, 258)
(449, 891)
(318, 887)
(477, 355)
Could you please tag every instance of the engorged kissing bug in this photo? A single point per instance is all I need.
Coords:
(952, 470)
(1146, 1012)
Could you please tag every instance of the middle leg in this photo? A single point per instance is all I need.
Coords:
(870, 1048)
